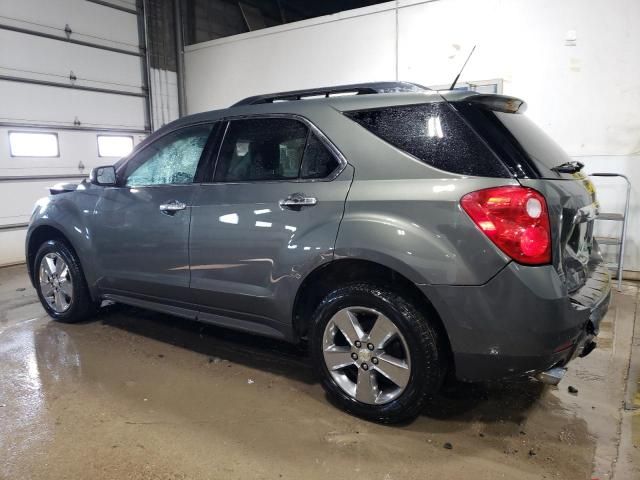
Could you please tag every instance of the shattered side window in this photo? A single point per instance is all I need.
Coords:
(435, 134)
(172, 159)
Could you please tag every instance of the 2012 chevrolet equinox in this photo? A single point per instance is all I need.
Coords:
(405, 234)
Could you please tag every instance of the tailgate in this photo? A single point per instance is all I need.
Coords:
(533, 158)
(572, 208)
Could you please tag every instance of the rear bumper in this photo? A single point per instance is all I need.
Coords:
(521, 322)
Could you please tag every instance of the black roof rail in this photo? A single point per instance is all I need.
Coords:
(356, 89)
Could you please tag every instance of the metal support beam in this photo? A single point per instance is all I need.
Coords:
(46, 83)
(182, 104)
(50, 36)
(114, 6)
(53, 126)
(145, 61)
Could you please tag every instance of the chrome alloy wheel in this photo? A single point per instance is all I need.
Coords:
(366, 355)
(55, 282)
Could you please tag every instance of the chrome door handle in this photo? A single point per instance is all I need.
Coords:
(298, 200)
(172, 207)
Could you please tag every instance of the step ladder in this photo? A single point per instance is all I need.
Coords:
(616, 217)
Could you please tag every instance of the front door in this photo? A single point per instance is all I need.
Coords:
(141, 227)
(269, 217)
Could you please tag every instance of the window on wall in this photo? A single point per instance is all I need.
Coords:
(33, 144)
(114, 145)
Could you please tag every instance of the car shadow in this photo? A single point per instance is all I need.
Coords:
(262, 353)
(504, 402)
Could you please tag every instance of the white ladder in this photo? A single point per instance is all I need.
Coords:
(616, 217)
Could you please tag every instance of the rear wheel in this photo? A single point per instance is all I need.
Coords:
(377, 356)
(61, 284)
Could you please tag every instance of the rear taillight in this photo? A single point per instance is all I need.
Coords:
(515, 219)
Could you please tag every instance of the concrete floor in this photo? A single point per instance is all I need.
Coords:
(140, 395)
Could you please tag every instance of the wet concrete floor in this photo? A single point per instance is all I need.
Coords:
(140, 395)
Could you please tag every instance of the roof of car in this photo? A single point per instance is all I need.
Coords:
(339, 97)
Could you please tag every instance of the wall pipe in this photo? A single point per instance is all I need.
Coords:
(182, 104)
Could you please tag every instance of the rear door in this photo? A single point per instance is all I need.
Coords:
(270, 215)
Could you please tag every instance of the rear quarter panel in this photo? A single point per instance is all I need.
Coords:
(417, 228)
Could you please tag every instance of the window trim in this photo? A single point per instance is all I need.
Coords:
(204, 156)
(342, 161)
(98, 135)
(55, 134)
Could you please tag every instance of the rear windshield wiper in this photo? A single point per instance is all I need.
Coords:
(568, 167)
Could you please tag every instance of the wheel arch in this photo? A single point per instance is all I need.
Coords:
(43, 233)
(319, 282)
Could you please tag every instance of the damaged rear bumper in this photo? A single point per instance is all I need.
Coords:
(520, 323)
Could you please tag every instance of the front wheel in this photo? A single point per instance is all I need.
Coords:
(61, 284)
(377, 355)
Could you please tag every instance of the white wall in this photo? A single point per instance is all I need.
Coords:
(586, 96)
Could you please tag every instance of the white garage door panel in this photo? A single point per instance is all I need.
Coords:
(75, 147)
(37, 104)
(70, 113)
(24, 196)
(53, 61)
(89, 22)
(12, 242)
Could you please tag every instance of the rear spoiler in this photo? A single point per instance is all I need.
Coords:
(498, 103)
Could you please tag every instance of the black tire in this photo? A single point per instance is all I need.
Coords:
(427, 354)
(81, 306)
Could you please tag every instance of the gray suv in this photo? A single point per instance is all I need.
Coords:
(408, 236)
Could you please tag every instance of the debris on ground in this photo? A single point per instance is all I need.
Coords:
(573, 390)
(448, 446)
(250, 381)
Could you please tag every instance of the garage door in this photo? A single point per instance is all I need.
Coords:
(72, 96)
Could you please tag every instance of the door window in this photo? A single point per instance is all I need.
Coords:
(172, 159)
(318, 161)
(261, 149)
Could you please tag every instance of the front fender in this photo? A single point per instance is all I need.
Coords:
(69, 214)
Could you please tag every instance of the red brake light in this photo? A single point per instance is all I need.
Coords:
(515, 219)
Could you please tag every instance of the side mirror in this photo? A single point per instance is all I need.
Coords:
(104, 176)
